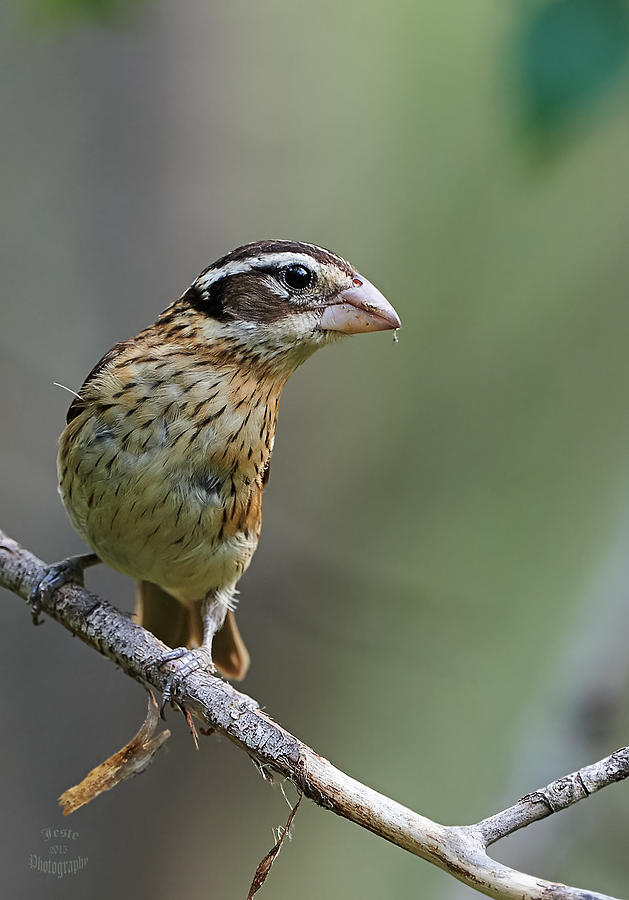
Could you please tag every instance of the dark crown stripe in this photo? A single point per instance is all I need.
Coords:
(258, 248)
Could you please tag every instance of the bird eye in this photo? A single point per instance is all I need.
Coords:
(297, 277)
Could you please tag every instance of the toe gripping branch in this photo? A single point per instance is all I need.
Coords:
(193, 660)
(67, 571)
(213, 611)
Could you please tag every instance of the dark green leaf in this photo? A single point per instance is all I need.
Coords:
(570, 52)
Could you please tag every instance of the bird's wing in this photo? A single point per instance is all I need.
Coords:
(78, 404)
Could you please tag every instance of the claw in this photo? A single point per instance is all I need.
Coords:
(68, 571)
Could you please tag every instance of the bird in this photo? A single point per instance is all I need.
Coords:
(165, 455)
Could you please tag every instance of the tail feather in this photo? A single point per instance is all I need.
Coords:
(178, 625)
(229, 652)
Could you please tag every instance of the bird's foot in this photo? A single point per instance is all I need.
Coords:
(68, 571)
(195, 660)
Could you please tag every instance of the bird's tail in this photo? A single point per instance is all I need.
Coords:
(178, 625)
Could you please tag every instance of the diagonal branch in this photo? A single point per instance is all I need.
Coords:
(459, 850)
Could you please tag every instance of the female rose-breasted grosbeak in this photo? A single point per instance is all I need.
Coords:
(166, 451)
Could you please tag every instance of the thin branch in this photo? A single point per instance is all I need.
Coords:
(459, 850)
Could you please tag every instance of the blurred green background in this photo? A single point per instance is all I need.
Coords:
(439, 601)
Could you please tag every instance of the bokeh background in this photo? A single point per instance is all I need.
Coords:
(439, 603)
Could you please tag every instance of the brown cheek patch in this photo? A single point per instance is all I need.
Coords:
(247, 297)
(209, 302)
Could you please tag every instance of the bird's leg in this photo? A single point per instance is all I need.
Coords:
(67, 571)
(213, 611)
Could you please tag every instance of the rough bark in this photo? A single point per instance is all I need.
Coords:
(459, 850)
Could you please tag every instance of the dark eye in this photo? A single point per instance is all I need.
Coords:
(297, 277)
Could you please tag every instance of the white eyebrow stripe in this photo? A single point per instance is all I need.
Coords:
(238, 266)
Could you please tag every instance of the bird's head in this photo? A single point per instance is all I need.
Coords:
(284, 299)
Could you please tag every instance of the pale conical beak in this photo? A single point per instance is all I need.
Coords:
(360, 308)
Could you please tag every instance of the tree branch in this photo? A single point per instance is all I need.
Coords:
(459, 850)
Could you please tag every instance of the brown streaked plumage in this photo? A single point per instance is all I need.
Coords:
(166, 452)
